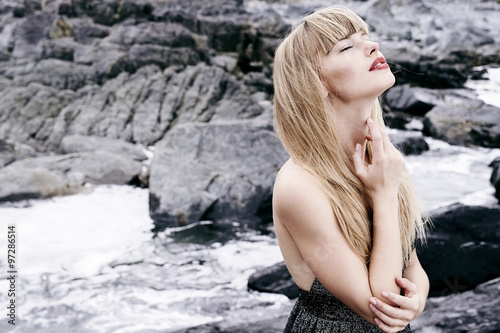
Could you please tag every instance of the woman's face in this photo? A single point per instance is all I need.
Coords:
(355, 69)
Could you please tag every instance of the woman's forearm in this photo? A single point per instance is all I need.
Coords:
(386, 260)
(416, 274)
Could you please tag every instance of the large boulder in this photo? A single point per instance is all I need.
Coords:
(462, 248)
(215, 171)
(471, 311)
(467, 123)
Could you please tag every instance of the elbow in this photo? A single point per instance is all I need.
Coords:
(382, 291)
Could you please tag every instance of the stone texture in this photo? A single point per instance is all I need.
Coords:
(213, 171)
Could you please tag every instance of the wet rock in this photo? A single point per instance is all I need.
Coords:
(471, 311)
(19, 183)
(274, 279)
(462, 249)
(218, 171)
(465, 124)
(495, 177)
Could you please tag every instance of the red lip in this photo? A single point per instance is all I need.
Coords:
(380, 61)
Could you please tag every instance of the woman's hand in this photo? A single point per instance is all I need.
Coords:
(394, 319)
(385, 172)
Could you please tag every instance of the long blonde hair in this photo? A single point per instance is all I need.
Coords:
(307, 130)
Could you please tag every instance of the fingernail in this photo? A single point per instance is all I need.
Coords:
(370, 120)
(373, 301)
(373, 308)
(385, 294)
(377, 320)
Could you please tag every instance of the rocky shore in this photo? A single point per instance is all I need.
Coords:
(176, 97)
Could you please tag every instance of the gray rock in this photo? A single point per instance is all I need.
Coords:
(274, 279)
(404, 98)
(213, 171)
(19, 183)
(28, 113)
(79, 143)
(410, 144)
(473, 311)
(62, 49)
(462, 248)
(12, 151)
(465, 124)
(56, 73)
(97, 167)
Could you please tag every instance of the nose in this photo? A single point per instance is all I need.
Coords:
(371, 47)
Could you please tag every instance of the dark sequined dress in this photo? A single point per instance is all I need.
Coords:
(318, 310)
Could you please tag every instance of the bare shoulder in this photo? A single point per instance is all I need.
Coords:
(296, 189)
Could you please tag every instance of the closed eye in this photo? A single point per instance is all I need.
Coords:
(345, 48)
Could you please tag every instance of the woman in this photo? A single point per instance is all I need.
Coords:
(345, 212)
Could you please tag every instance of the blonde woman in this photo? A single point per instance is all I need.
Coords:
(345, 212)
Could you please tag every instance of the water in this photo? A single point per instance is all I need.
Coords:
(90, 263)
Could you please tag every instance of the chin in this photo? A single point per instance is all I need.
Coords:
(391, 79)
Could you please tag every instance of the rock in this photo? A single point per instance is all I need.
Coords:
(107, 12)
(462, 249)
(97, 167)
(218, 171)
(28, 113)
(495, 177)
(18, 183)
(62, 48)
(79, 143)
(404, 98)
(471, 311)
(465, 124)
(10, 152)
(274, 279)
(58, 74)
(410, 145)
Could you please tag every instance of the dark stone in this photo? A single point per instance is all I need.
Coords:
(495, 177)
(274, 279)
(471, 311)
(411, 145)
(462, 249)
(403, 98)
(465, 124)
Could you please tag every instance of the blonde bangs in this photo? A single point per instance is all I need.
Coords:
(329, 26)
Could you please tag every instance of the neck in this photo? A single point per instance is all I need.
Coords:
(351, 122)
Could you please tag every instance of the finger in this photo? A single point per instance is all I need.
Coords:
(389, 314)
(386, 328)
(403, 301)
(359, 163)
(409, 287)
(376, 138)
